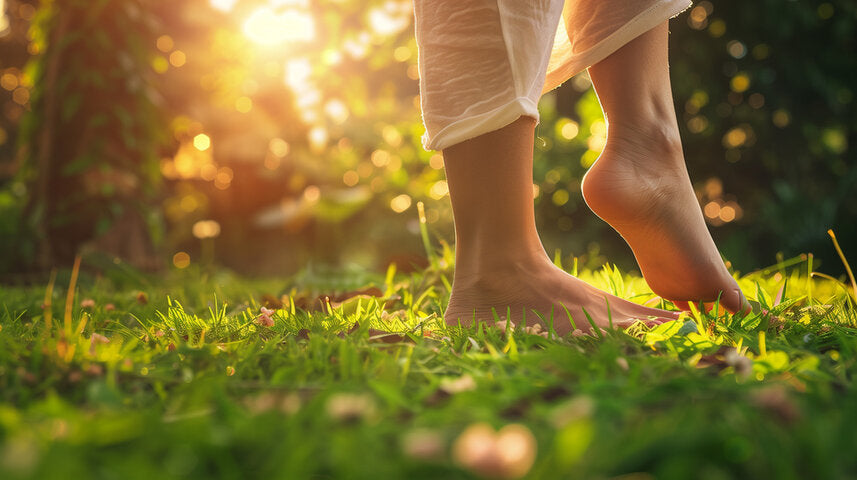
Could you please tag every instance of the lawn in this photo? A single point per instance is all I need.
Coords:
(199, 373)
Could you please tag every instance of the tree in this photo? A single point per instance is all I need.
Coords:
(90, 143)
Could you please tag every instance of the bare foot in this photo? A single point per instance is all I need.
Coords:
(540, 286)
(640, 186)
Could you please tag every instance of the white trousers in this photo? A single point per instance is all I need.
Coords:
(484, 63)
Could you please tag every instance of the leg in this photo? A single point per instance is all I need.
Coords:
(500, 261)
(640, 184)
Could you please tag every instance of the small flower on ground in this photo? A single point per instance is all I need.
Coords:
(743, 366)
(463, 383)
(288, 403)
(94, 340)
(265, 319)
(159, 333)
(581, 406)
(350, 407)
(109, 307)
(509, 453)
(423, 444)
(536, 329)
(87, 303)
(502, 324)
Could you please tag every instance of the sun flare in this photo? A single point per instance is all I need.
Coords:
(268, 27)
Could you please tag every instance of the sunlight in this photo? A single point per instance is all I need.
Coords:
(390, 18)
(4, 20)
(317, 138)
(267, 27)
(223, 5)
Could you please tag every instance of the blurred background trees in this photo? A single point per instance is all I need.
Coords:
(268, 134)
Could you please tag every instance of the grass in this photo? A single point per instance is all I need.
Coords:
(130, 376)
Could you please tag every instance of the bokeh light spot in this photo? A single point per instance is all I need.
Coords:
(740, 82)
(312, 194)
(21, 95)
(697, 124)
(560, 197)
(279, 147)
(223, 178)
(436, 161)
(400, 203)
(439, 189)
(206, 229)
(350, 178)
(736, 49)
(380, 158)
(735, 138)
(756, 100)
(317, 137)
(391, 136)
(336, 110)
(181, 260)
(178, 58)
(413, 72)
(567, 128)
(160, 64)
(781, 118)
(698, 18)
(202, 142)
(717, 28)
(402, 54)
(712, 209)
(825, 11)
(9, 81)
(207, 172)
(165, 43)
(835, 140)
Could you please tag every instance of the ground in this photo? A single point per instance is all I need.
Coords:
(185, 375)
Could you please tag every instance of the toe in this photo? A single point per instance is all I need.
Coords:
(735, 301)
(682, 305)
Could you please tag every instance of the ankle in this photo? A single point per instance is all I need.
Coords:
(649, 139)
(489, 273)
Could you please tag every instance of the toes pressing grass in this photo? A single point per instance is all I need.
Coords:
(346, 374)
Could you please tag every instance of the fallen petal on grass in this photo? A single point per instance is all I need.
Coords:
(507, 454)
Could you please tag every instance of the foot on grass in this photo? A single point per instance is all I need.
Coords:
(640, 186)
(539, 286)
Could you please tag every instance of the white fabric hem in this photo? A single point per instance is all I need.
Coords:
(637, 26)
(471, 127)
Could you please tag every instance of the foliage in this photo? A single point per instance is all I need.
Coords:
(768, 106)
(179, 377)
(303, 142)
(765, 109)
(92, 136)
